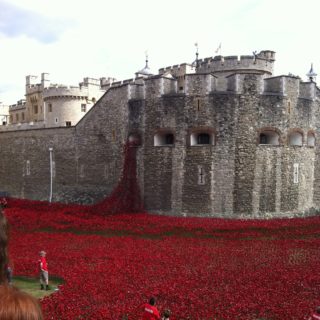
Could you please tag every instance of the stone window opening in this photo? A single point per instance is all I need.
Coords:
(269, 138)
(198, 104)
(311, 139)
(22, 115)
(35, 109)
(83, 107)
(163, 139)
(28, 171)
(81, 171)
(49, 107)
(68, 123)
(201, 175)
(295, 139)
(56, 120)
(202, 138)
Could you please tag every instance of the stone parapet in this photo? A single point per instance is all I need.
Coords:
(64, 91)
(262, 62)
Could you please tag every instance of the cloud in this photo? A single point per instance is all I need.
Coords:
(15, 22)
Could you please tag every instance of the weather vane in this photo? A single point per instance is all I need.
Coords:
(197, 54)
(146, 54)
(311, 74)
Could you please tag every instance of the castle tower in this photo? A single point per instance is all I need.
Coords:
(223, 66)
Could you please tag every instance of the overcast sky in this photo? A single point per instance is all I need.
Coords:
(72, 39)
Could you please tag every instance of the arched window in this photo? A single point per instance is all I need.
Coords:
(202, 138)
(311, 141)
(163, 139)
(269, 137)
(295, 138)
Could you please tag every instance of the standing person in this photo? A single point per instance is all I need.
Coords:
(43, 268)
(9, 272)
(150, 311)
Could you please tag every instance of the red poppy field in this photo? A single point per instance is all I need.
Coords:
(198, 268)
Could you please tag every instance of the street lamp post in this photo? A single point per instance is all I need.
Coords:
(51, 174)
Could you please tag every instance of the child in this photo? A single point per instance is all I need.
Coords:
(8, 274)
(43, 268)
(316, 314)
(166, 314)
(150, 311)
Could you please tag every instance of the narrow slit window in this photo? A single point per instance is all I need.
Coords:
(28, 171)
(201, 176)
(296, 173)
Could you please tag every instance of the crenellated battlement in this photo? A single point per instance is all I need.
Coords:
(178, 70)
(289, 86)
(21, 104)
(65, 91)
(33, 88)
(262, 63)
(205, 83)
(224, 66)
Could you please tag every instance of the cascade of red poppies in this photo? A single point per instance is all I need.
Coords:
(126, 195)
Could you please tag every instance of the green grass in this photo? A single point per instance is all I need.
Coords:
(32, 285)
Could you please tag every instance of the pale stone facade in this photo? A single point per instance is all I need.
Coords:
(48, 105)
(4, 114)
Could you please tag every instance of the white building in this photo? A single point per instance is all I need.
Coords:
(53, 105)
(4, 114)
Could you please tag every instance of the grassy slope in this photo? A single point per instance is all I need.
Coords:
(32, 286)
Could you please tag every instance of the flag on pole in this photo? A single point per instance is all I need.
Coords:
(218, 49)
(196, 45)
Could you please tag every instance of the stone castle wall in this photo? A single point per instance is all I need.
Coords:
(232, 176)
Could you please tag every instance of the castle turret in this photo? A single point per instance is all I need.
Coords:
(146, 71)
(311, 74)
(224, 66)
(45, 82)
(31, 80)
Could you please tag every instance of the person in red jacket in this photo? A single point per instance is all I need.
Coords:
(43, 268)
(316, 314)
(150, 311)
